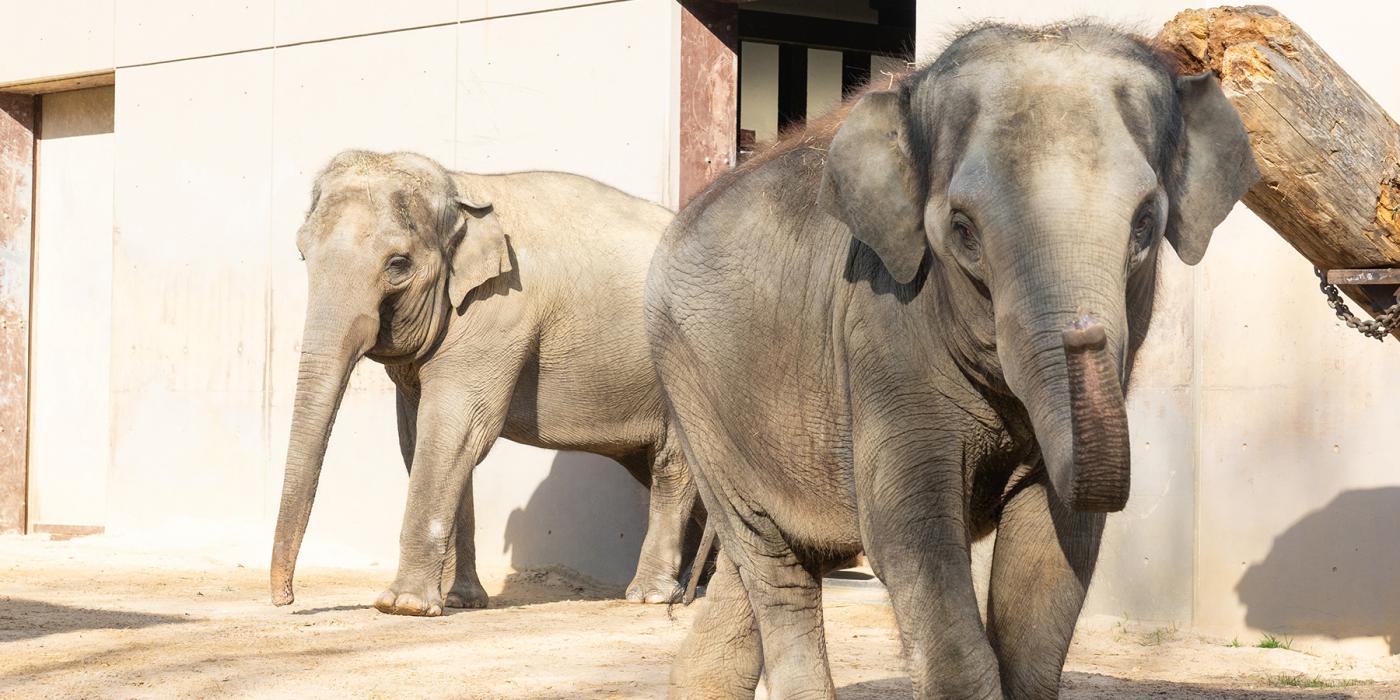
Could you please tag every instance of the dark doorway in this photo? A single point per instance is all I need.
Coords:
(751, 68)
(799, 58)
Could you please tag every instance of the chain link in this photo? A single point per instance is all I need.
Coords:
(1385, 321)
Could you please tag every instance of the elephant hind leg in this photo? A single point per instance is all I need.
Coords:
(1041, 566)
(720, 658)
(672, 501)
(466, 590)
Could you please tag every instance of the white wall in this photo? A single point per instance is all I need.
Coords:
(1264, 496)
(758, 89)
(213, 161)
(71, 312)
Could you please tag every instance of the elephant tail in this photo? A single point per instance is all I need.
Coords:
(697, 565)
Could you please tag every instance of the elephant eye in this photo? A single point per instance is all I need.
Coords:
(965, 237)
(1144, 225)
(399, 265)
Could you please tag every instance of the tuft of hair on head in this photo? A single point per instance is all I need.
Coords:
(414, 174)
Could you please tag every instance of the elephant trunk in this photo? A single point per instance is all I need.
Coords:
(1098, 474)
(329, 354)
(1067, 377)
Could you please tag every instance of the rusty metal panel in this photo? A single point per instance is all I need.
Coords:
(17, 121)
(709, 92)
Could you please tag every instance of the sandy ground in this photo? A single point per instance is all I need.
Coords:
(96, 618)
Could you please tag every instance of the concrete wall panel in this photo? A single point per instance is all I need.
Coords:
(70, 441)
(190, 292)
(56, 38)
(310, 20)
(147, 31)
(590, 92)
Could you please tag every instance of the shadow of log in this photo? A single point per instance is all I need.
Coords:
(27, 619)
(1333, 573)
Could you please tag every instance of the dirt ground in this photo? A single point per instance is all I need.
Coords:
(98, 618)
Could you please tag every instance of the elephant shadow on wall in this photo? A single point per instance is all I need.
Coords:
(588, 516)
(1332, 573)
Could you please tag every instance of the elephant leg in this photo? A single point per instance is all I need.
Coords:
(466, 591)
(459, 419)
(1041, 566)
(672, 500)
(912, 523)
(720, 658)
(406, 409)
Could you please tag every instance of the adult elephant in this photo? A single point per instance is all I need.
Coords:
(937, 352)
(500, 305)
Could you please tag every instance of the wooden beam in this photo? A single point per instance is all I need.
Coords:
(19, 118)
(78, 81)
(709, 112)
(1328, 154)
(818, 33)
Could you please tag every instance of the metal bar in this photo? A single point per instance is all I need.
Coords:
(1380, 275)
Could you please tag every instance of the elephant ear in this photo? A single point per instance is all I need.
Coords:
(1217, 169)
(873, 186)
(481, 253)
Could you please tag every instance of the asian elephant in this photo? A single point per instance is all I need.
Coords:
(500, 305)
(910, 325)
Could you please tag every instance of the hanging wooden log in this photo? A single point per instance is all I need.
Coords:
(1328, 154)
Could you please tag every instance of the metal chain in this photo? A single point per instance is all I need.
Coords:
(1385, 321)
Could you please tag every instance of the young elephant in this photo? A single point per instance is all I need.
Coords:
(937, 352)
(500, 305)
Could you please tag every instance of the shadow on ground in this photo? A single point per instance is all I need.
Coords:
(1094, 685)
(27, 619)
(1332, 573)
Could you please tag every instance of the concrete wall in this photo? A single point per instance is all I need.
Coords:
(71, 337)
(212, 160)
(1264, 495)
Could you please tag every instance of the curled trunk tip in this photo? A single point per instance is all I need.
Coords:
(1084, 334)
(1099, 421)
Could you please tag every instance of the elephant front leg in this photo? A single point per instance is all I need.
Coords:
(447, 450)
(912, 523)
(657, 579)
(1041, 566)
(466, 591)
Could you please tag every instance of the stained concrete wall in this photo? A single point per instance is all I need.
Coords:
(212, 158)
(1264, 495)
(71, 311)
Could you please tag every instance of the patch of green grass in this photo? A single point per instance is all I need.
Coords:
(1234, 643)
(1271, 642)
(1158, 636)
(1301, 680)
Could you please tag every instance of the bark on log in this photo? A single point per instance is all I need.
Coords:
(1328, 154)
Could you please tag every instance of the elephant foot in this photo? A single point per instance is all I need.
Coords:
(466, 594)
(654, 589)
(416, 604)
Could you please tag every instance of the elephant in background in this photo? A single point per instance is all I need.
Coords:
(911, 325)
(500, 305)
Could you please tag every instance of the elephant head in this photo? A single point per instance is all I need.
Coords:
(392, 248)
(1043, 169)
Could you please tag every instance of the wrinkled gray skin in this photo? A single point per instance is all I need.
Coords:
(905, 336)
(500, 305)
